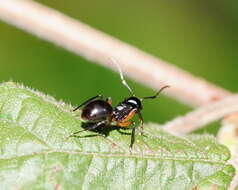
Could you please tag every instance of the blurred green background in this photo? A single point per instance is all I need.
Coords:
(198, 36)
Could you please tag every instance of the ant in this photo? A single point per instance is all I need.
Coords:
(98, 111)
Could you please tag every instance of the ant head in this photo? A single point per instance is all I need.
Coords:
(135, 102)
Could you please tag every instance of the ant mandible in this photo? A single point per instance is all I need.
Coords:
(99, 111)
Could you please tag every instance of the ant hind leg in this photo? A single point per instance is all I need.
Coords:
(96, 125)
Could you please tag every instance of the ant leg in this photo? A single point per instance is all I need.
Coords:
(125, 125)
(88, 101)
(142, 121)
(109, 100)
(132, 137)
(89, 128)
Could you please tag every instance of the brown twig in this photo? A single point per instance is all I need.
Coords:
(98, 47)
(202, 116)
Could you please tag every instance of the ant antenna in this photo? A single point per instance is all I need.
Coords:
(157, 94)
(122, 77)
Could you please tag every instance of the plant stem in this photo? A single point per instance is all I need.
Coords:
(99, 47)
(202, 116)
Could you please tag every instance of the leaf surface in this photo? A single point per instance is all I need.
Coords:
(35, 153)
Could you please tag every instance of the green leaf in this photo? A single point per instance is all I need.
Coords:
(35, 153)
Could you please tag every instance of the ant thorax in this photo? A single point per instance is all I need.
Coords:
(122, 110)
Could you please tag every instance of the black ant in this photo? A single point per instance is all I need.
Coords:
(98, 111)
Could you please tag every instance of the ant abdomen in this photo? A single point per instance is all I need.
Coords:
(96, 111)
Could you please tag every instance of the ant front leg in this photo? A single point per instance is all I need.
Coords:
(132, 137)
(126, 124)
(88, 101)
(142, 121)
